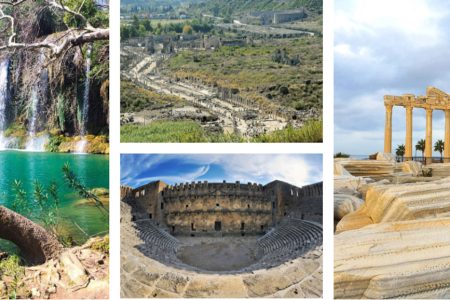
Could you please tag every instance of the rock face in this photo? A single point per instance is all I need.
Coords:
(392, 202)
(35, 243)
(345, 204)
(408, 259)
(369, 168)
(78, 273)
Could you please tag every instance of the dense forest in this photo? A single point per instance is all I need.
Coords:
(54, 59)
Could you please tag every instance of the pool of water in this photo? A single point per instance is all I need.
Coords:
(80, 221)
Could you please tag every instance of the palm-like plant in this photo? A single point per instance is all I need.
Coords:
(439, 147)
(400, 151)
(420, 146)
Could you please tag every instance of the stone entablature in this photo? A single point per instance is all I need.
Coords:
(435, 99)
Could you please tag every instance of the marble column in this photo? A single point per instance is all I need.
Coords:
(409, 127)
(388, 130)
(447, 136)
(429, 136)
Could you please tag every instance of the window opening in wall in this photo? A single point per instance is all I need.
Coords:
(248, 205)
(217, 204)
(150, 216)
(173, 229)
(297, 193)
(137, 194)
(192, 227)
(262, 227)
(292, 192)
(284, 214)
(273, 204)
(187, 205)
(162, 205)
(242, 226)
(218, 226)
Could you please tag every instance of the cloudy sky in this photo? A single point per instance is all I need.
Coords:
(387, 47)
(139, 169)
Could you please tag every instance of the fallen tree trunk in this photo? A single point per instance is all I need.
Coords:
(36, 244)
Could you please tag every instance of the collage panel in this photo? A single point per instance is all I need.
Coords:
(54, 146)
(221, 225)
(221, 71)
(392, 145)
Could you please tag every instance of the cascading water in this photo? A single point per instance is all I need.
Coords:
(38, 91)
(81, 145)
(4, 98)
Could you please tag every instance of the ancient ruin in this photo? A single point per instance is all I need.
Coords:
(391, 229)
(204, 239)
(435, 99)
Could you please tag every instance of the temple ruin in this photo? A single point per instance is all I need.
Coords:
(435, 99)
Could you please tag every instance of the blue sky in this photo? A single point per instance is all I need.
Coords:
(387, 47)
(297, 169)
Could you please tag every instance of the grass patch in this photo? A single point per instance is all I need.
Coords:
(192, 132)
(11, 272)
(101, 245)
(311, 132)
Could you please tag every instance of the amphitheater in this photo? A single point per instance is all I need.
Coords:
(392, 229)
(203, 239)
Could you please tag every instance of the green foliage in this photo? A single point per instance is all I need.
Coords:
(101, 245)
(54, 142)
(134, 98)
(87, 8)
(73, 181)
(60, 110)
(341, 155)
(420, 146)
(439, 147)
(10, 267)
(191, 132)
(400, 151)
(311, 132)
(20, 203)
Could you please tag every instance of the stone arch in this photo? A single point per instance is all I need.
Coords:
(36, 244)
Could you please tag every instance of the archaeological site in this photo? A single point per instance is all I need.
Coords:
(392, 214)
(221, 239)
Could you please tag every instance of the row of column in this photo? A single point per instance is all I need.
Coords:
(409, 130)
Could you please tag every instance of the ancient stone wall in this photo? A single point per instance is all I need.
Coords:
(284, 17)
(150, 199)
(125, 191)
(204, 207)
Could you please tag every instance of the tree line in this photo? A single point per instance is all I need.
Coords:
(144, 27)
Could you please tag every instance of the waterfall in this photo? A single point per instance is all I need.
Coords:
(38, 92)
(5, 142)
(4, 97)
(81, 145)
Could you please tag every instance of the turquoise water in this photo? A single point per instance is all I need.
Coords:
(92, 170)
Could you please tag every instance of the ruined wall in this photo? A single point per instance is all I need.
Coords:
(284, 17)
(203, 207)
(125, 191)
(292, 201)
(310, 205)
(149, 198)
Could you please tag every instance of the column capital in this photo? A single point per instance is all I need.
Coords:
(388, 107)
(429, 109)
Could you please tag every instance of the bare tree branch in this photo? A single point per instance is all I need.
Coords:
(78, 37)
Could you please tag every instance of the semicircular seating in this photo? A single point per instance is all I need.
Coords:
(291, 239)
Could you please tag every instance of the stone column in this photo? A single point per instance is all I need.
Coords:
(388, 130)
(409, 127)
(447, 136)
(429, 136)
